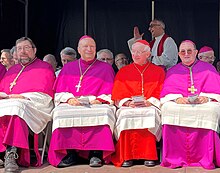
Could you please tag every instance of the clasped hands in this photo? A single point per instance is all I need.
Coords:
(76, 102)
(131, 103)
(14, 96)
(198, 100)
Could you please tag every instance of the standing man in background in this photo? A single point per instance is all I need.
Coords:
(164, 50)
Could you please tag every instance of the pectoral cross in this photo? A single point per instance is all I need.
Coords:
(12, 85)
(78, 86)
(192, 89)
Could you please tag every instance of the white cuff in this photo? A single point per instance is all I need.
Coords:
(211, 96)
(62, 97)
(170, 97)
(121, 102)
(154, 101)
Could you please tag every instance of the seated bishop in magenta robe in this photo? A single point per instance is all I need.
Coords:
(190, 112)
(83, 119)
(25, 104)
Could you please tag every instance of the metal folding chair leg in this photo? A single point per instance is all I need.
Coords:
(44, 143)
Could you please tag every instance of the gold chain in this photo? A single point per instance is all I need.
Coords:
(142, 77)
(80, 69)
(12, 84)
(78, 86)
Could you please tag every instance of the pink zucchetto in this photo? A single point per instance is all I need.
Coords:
(85, 36)
(189, 41)
(205, 49)
(143, 42)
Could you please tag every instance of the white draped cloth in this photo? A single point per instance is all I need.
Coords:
(138, 118)
(206, 115)
(35, 110)
(65, 115)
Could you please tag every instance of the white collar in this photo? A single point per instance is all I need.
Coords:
(159, 37)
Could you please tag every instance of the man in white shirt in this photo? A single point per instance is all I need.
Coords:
(163, 48)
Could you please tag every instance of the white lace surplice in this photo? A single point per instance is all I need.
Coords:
(35, 111)
(65, 115)
(138, 118)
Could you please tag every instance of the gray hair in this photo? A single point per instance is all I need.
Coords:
(69, 51)
(146, 47)
(160, 22)
(52, 57)
(106, 51)
(23, 39)
(13, 49)
(7, 51)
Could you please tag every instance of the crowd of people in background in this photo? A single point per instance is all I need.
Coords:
(163, 52)
(107, 108)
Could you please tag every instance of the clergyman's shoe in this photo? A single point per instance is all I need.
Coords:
(95, 162)
(127, 163)
(10, 162)
(68, 160)
(149, 163)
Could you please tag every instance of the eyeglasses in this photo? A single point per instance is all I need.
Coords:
(137, 52)
(153, 25)
(26, 48)
(207, 57)
(106, 59)
(121, 59)
(67, 60)
(183, 51)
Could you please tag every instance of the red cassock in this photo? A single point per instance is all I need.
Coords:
(134, 144)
